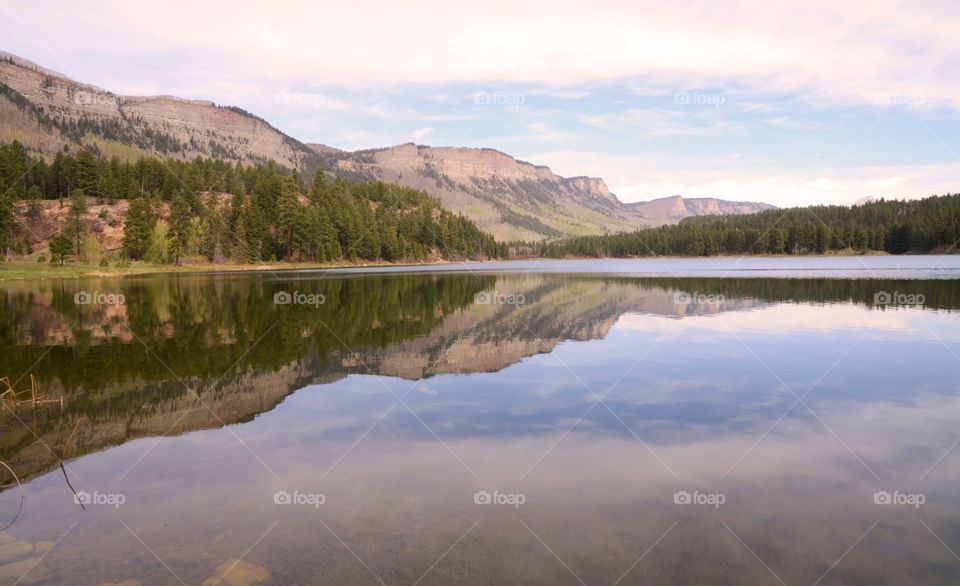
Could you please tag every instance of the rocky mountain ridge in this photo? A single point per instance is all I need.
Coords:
(47, 111)
(517, 200)
(513, 199)
(674, 208)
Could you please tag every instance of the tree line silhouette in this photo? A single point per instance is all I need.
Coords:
(892, 226)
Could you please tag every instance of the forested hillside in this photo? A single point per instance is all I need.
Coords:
(219, 210)
(892, 226)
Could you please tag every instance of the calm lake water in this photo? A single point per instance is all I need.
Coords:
(756, 421)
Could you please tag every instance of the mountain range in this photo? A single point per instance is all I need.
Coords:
(512, 199)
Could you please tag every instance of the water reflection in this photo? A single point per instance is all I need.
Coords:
(399, 397)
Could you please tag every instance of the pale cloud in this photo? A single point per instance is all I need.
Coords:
(790, 318)
(785, 72)
(642, 177)
(543, 132)
(656, 123)
(562, 94)
(420, 133)
(831, 51)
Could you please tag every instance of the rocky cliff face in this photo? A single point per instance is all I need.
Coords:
(47, 111)
(516, 200)
(513, 199)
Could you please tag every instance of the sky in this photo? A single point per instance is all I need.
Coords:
(795, 102)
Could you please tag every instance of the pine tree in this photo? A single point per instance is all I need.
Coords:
(248, 241)
(60, 248)
(217, 232)
(138, 227)
(7, 218)
(329, 241)
(288, 209)
(86, 171)
(370, 240)
(78, 207)
(180, 214)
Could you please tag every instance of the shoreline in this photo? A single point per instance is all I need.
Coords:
(21, 270)
(34, 271)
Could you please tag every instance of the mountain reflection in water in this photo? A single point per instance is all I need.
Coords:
(400, 396)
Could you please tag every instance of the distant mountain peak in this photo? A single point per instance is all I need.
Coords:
(674, 208)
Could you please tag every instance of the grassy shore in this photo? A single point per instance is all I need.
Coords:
(23, 270)
(30, 269)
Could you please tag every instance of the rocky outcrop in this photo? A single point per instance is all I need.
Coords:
(513, 199)
(671, 210)
(517, 200)
(47, 111)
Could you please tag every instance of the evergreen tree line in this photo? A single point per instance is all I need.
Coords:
(892, 226)
(217, 210)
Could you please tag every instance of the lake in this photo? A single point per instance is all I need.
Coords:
(675, 421)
